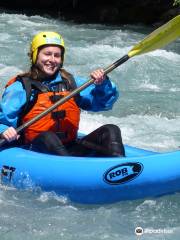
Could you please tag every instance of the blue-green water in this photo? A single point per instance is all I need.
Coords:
(148, 113)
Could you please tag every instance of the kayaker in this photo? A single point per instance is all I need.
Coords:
(30, 93)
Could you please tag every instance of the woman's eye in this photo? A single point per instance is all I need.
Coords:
(57, 55)
(47, 53)
(50, 54)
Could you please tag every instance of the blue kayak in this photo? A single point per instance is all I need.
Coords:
(93, 180)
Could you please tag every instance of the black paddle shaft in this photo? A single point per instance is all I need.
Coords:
(66, 98)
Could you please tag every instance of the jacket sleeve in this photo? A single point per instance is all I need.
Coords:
(13, 98)
(97, 97)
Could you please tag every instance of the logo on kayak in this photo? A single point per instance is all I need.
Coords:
(123, 173)
(6, 173)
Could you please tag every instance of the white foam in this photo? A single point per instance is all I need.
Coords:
(9, 71)
(144, 131)
(46, 196)
(172, 56)
(149, 86)
(4, 36)
(174, 89)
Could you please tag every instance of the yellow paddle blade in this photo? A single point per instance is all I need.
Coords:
(158, 38)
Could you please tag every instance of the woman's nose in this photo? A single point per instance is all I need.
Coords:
(52, 58)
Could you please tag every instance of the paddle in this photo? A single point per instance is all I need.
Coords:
(157, 39)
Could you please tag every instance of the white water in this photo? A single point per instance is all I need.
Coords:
(148, 113)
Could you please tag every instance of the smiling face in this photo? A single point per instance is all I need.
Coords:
(49, 60)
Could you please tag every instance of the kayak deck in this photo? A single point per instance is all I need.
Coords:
(93, 180)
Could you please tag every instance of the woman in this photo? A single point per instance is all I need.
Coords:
(30, 93)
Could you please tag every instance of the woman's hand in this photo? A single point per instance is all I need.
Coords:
(10, 134)
(98, 76)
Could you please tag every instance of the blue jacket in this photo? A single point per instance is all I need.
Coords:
(94, 98)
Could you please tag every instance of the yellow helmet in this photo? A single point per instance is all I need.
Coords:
(45, 38)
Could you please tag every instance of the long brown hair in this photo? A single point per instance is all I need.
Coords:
(35, 74)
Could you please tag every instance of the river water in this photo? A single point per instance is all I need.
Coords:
(148, 113)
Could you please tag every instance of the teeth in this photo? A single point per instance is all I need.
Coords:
(50, 67)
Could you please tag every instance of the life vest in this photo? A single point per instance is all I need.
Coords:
(64, 120)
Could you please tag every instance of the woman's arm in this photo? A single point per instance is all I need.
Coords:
(99, 96)
(14, 97)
